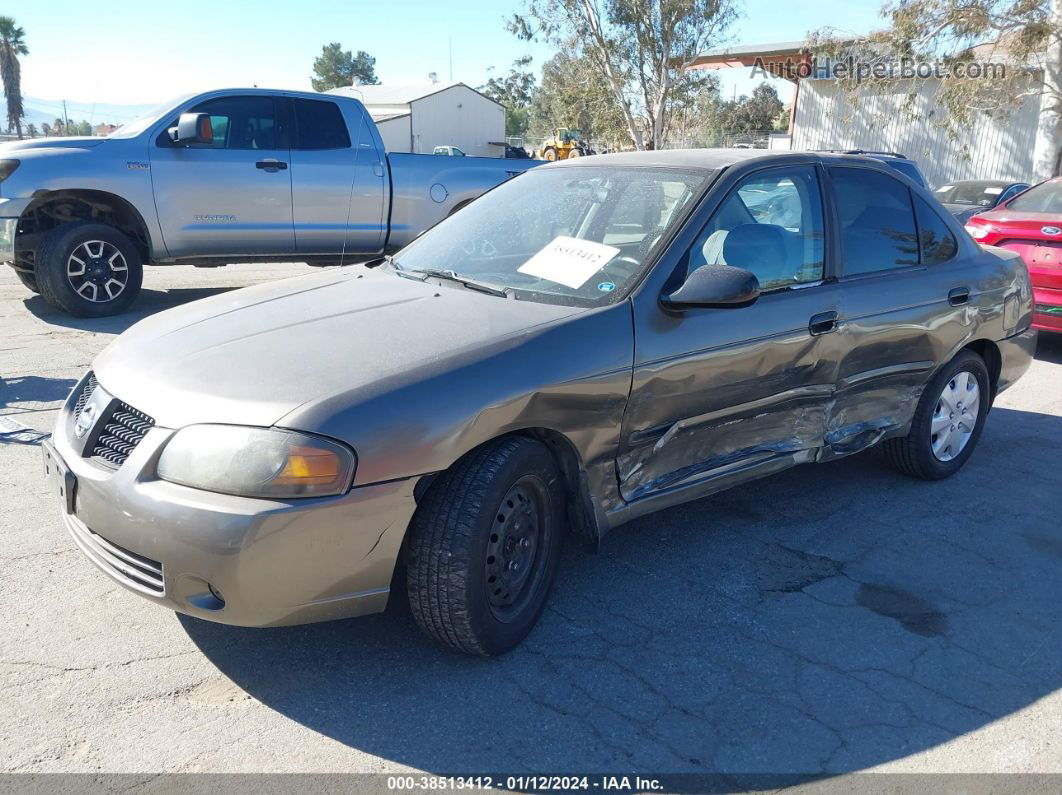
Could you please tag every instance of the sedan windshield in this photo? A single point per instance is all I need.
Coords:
(1044, 198)
(571, 235)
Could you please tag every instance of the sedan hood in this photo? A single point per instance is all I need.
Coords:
(251, 356)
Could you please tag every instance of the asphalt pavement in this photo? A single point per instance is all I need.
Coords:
(831, 619)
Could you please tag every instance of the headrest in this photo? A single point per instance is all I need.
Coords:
(752, 245)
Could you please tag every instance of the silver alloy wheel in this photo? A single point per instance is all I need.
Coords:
(955, 416)
(97, 271)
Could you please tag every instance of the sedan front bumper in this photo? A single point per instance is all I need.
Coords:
(234, 560)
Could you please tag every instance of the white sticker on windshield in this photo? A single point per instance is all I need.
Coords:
(993, 191)
(943, 188)
(569, 261)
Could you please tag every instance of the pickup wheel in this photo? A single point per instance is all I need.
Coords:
(947, 422)
(483, 547)
(88, 269)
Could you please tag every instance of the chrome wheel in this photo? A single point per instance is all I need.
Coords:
(515, 550)
(955, 416)
(97, 271)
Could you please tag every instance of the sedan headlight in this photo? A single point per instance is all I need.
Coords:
(978, 231)
(256, 462)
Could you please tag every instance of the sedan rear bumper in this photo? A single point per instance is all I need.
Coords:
(1016, 354)
(235, 560)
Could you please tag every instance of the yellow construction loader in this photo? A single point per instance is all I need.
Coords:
(565, 143)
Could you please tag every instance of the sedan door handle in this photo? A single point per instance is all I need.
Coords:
(959, 296)
(823, 323)
(271, 165)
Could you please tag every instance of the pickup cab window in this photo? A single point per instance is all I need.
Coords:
(238, 123)
(319, 125)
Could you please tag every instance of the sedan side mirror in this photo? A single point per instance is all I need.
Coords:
(193, 128)
(718, 286)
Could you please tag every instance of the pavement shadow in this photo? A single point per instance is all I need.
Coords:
(1049, 347)
(821, 621)
(147, 303)
(23, 394)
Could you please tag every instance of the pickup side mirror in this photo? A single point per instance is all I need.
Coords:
(192, 128)
(718, 286)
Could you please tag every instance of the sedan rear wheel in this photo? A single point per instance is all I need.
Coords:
(947, 422)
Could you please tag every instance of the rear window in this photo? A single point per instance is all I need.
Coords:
(877, 221)
(908, 170)
(319, 125)
(1044, 198)
(937, 242)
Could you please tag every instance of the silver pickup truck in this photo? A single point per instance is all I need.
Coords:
(227, 176)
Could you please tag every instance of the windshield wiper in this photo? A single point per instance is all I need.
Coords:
(465, 281)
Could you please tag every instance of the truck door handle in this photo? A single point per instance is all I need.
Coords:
(271, 165)
(823, 323)
(959, 296)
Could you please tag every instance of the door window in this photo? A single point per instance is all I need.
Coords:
(937, 241)
(877, 220)
(240, 123)
(770, 225)
(320, 125)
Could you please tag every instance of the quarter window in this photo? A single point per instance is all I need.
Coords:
(937, 241)
(770, 225)
(877, 221)
(320, 125)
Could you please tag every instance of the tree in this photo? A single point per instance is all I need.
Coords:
(640, 47)
(515, 91)
(1016, 44)
(574, 94)
(58, 127)
(46, 130)
(31, 130)
(12, 45)
(336, 67)
(84, 128)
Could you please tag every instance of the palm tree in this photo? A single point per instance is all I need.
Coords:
(12, 45)
(31, 130)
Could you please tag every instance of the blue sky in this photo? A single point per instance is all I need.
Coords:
(143, 52)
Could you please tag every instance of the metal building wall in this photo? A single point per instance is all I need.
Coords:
(458, 116)
(395, 133)
(995, 149)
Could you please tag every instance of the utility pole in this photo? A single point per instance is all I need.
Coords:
(66, 120)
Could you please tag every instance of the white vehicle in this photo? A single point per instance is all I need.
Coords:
(450, 151)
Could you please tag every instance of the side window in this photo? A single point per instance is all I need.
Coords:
(771, 224)
(877, 221)
(240, 122)
(320, 125)
(937, 241)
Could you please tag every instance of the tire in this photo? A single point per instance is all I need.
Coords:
(550, 154)
(466, 533)
(29, 281)
(102, 275)
(914, 454)
(574, 153)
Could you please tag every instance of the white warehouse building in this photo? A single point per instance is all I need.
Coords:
(822, 116)
(418, 118)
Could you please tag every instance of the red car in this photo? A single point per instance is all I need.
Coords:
(1031, 224)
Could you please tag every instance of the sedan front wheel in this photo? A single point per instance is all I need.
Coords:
(484, 545)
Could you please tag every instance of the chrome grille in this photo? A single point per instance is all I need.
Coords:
(135, 571)
(121, 433)
(83, 398)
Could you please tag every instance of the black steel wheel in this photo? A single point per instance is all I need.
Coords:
(484, 544)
